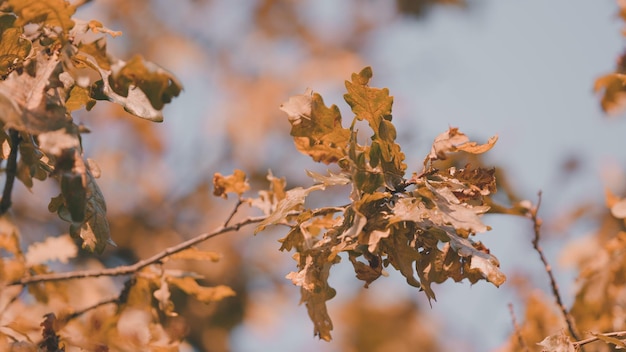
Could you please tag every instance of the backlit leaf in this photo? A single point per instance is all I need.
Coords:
(197, 254)
(13, 49)
(52, 13)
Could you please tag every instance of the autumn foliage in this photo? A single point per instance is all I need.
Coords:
(150, 288)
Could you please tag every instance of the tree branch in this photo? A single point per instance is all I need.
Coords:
(11, 171)
(131, 269)
(555, 288)
(596, 338)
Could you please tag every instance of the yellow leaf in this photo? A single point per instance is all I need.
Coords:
(52, 13)
(202, 293)
(197, 254)
(235, 183)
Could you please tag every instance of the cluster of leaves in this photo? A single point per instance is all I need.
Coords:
(50, 66)
(420, 225)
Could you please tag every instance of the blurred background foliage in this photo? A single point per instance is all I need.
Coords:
(238, 61)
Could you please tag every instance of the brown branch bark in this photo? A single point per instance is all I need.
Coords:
(555, 288)
(131, 269)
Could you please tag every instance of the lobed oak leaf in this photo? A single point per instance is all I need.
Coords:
(235, 183)
(364, 272)
(60, 248)
(370, 104)
(319, 133)
(401, 255)
(14, 49)
(315, 290)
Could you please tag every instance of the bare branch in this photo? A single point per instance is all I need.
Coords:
(596, 338)
(518, 332)
(85, 310)
(131, 269)
(232, 213)
(555, 288)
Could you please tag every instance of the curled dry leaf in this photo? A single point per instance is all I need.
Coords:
(453, 141)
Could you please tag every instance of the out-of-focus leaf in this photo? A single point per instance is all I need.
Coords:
(98, 27)
(52, 13)
(13, 49)
(613, 92)
(163, 296)
(235, 183)
(201, 293)
(197, 254)
(619, 344)
(60, 248)
(557, 343)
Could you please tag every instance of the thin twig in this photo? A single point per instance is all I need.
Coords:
(596, 338)
(131, 269)
(85, 310)
(232, 213)
(11, 171)
(518, 331)
(555, 288)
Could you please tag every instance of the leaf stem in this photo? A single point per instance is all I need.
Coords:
(11, 171)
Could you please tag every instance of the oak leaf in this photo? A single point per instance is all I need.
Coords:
(235, 183)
